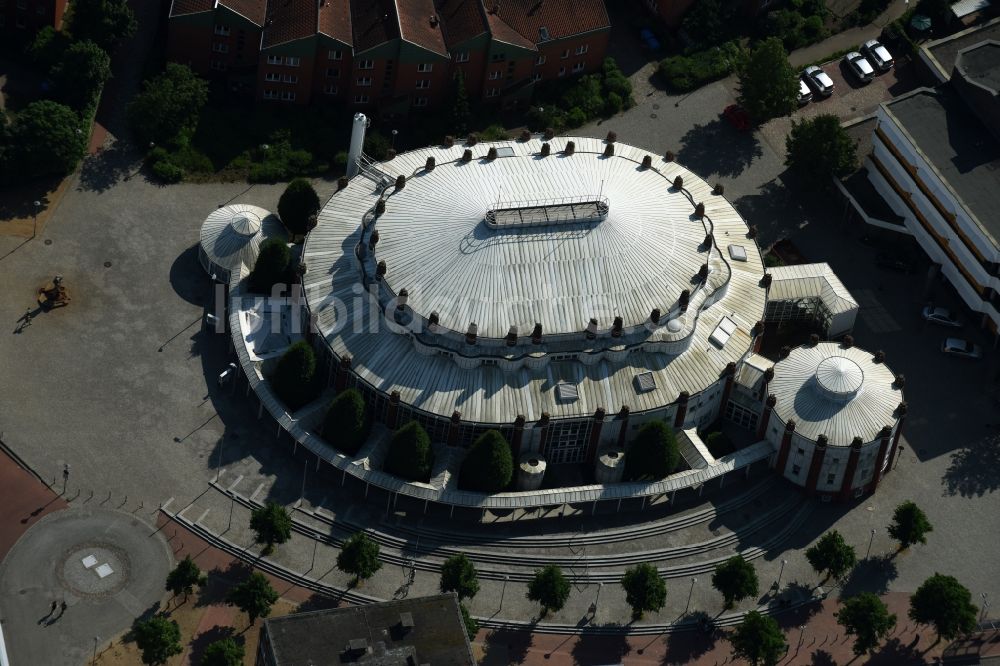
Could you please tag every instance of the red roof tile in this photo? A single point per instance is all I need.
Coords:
(506, 34)
(289, 20)
(463, 20)
(255, 10)
(420, 24)
(335, 20)
(374, 22)
(184, 7)
(561, 18)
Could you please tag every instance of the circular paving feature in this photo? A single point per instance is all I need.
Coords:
(94, 569)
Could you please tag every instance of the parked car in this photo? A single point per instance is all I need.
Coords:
(818, 80)
(737, 117)
(877, 55)
(940, 316)
(859, 66)
(960, 347)
(805, 95)
(892, 262)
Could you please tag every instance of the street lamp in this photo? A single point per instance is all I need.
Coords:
(65, 476)
(986, 605)
(503, 590)
(781, 571)
(870, 544)
(34, 227)
(96, 638)
(394, 133)
(898, 456)
(690, 592)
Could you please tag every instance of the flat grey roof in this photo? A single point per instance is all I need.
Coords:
(981, 64)
(958, 145)
(945, 50)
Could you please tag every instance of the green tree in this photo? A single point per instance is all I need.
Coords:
(471, 625)
(298, 203)
(271, 267)
(46, 138)
(105, 22)
(48, 47)
(458, 575)
(185, 576)
(294, 378)
(158, 638)
(81, 73)
(458, 104)
(759, 640)
(710, 22)
(644, 589)
(832, 554)
(865, 617)
(736, 579)
(410, 455)
(272, 524)
(909, 525)
(488, 466)
(549, 587)
(254, 596)
(945, 603)
(167, 109)
(359, 556)
(225, 652)
(346, 422)
(818, 148)
(653, 453)
(768, 86)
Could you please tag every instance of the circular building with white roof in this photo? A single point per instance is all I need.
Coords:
(562, 292)
(231, 237)
(834, 413)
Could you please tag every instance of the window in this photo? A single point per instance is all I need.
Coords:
(289, 78)
(562, 71)
(543, 34)
(802, 451)
(423, 84)
(293, 61)
(578, 67)
(425, 67)
(583, 48)
(565, 54)
(272, 76)
(273, 60)
(222, 30)
(420, 101)
(329, 89)
(287, 96)
(19, 23)
(498, 57)
(366, 64)
(796, 469)
(361, 99)
(364, 81)
(492, 92)
(494, 75)
(218, 65)
(462, 56)
(336, 54)
(218, 47)
(270, 94)
(332, 72)
(568, 441)
(536, 77)
(540, 60)
(830, 477)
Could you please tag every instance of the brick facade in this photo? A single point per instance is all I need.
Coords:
(21, 19)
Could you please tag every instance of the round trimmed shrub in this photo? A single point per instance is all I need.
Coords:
(410, 455)
(488, 467)
(346, 424)
(168, 172)
(294, 378)
(271, 266)
(297, 203)
(653, 454)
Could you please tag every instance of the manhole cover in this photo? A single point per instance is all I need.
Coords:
(107, 264)
(656, 106)
(48, 241)
(652, 115)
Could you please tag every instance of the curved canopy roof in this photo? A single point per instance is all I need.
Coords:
(232, 235)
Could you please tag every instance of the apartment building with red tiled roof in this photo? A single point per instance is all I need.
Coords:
(393, 54)
(21, 19)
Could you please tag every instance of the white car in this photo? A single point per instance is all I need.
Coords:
(859, 67)
(877, 55)
(940, 316)
(818, 80)
(805, 95)
(960, 347)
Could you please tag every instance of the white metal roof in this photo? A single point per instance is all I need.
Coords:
(231, 236)
(811, 281)
(835, 391)
(433, 245)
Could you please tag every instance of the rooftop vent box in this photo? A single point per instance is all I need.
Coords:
(720, 336)
(567, 392)
(406, 621)
(645, 382)
(737, 253)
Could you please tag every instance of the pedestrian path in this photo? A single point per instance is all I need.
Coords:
(852, 37)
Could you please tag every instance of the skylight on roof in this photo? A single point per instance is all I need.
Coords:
(543, 34)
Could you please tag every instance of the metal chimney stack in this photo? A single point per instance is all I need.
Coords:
(357, 143)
